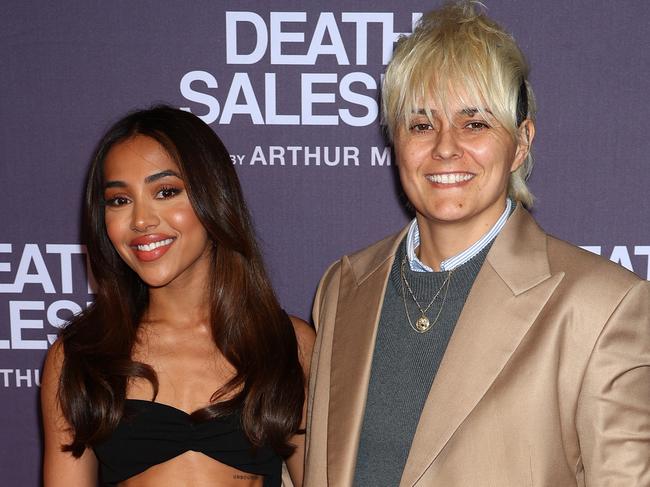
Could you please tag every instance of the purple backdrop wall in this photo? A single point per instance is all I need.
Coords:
(292, 92)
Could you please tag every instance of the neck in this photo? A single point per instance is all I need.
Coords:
(440, 240)
(181, 304)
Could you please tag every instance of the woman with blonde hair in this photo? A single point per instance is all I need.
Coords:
(472, 348)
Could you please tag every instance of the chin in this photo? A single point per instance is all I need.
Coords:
(448, 213)
(155, 282)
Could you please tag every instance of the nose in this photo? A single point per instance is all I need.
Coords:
(446, 145)
(144, 217)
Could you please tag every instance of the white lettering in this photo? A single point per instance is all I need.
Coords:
(309, 156)
(361, 20)
(5, 267)
(380, 159)
(261, 37)
(315, 156)
(92, 283)
(350, 154)
(309, 98)
(621, 256)
(363, 100)
(327, 24)
(242, 99)
(276, 153)
(270, 109)
(5, 288)
(66, 252)
(337, 156)
(258, 156)
(18, 325)
(294, 154)
(241, 84)
(196, 96)
(644, 250)
(27, 377)
(30, 377)
(42, 277)
(285, 42)
(53, 315)
(278, 37)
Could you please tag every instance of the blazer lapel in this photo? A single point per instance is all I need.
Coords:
(361, 294)
(511, 289)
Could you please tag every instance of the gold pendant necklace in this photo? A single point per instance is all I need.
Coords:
(422, 324)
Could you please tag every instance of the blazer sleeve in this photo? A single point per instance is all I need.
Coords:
(325, 285)
(316, 451)
(613, 410)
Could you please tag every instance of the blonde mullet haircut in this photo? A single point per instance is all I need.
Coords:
(456, 53)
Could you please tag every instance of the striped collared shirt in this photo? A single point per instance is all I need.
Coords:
(413, 242)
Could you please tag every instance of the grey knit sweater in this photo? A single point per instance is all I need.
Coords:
(404, 366)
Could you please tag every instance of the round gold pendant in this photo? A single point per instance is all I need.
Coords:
(422, 324)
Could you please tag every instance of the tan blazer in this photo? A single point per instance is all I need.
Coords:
(545, 382)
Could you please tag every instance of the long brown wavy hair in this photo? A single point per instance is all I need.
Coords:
(248, 326)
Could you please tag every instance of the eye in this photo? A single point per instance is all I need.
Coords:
(477, 125)
(420, 127)
(116, 201)
(167, 192)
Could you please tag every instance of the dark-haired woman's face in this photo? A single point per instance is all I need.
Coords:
(149, 218)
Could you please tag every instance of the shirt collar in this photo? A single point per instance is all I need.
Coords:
(413, 242)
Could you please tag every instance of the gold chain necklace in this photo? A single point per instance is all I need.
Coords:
(422, 324)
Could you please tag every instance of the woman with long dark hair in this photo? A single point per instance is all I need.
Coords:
(185, 370)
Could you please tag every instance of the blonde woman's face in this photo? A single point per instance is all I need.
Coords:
(456, 168)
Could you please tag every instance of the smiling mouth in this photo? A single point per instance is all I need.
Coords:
(154, 245)
(449, 178)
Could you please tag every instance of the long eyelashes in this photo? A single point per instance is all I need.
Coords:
(167, 192)
(115, 201)
(164, 193)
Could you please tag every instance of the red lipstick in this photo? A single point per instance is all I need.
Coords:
(148, 248)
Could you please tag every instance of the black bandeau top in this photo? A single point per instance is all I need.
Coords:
(151, 433)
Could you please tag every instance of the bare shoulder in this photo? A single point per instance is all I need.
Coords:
(52, 416)
(52, 367)
(60, 468)
(305, 335)
(55, 353)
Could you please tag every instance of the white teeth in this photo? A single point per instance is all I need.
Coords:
(449, 178)
(154, 245)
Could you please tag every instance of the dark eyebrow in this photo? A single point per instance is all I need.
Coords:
(422, 111)
(114, 184)
(469, 111)
(160, 175)
(147, 180)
